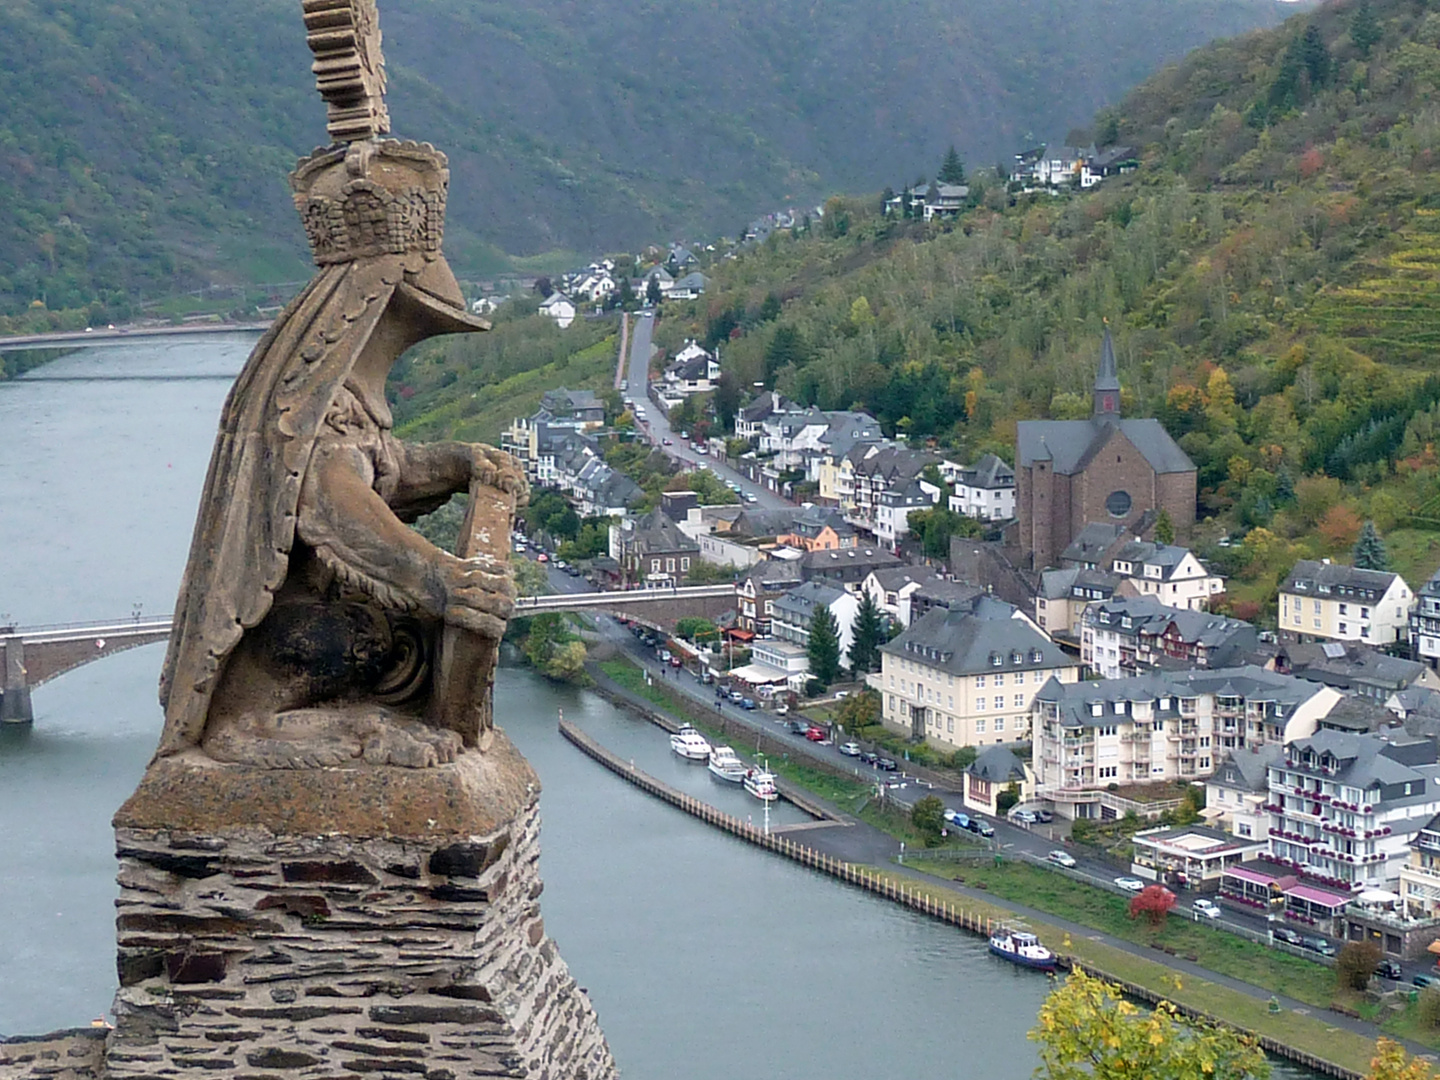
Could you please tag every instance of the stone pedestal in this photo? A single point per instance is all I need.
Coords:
(380, 921)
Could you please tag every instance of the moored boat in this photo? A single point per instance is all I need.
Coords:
(690, 744)
(725, 764)
(1023, 948)
(761, 784)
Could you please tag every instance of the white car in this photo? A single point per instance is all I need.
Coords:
(850, 749)
(1208, 908)
(1024, 817)
(1130, 884)
(1062, 858)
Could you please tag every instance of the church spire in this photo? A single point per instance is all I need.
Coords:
(1107, 381)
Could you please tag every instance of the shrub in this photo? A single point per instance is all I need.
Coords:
(1154, 902)
(1428, 1007)
(928, 817)
(1355, 964)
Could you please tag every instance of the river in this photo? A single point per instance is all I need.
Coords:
(705, 957)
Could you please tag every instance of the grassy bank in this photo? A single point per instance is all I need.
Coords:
(1212, 948)
(1232, 1006)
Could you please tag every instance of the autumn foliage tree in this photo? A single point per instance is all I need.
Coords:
(1088, 1031)
(1154, 903)
(1391, 1062)
(1355, 964)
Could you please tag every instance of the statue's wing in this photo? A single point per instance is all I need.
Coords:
(240, 551)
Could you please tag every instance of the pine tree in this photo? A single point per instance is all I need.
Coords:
(653, 295)
(952, 170)
(1369, 552)
(1315, 56)
(1364, 29)
(824, 648)
(1164, 527)
(1284, 487)
(867, 635)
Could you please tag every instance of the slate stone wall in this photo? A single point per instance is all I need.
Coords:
(247, 953)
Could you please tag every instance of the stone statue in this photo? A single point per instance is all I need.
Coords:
(314, 627)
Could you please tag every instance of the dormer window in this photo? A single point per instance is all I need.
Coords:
(1036, 656)
(1097, 708)
(996, 659)
(1015, 657)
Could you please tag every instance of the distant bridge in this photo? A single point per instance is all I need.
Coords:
(32, 656)
(66, 339)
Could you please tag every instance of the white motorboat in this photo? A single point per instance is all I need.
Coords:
(1023, 948)
(726, 764)
(761, 784)
(690, 744)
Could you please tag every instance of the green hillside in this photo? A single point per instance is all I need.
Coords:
(1270, 274)
(143, 146)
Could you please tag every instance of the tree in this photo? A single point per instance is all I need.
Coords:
(530, 578)
(1364, 29)
(726, 400)
(1369, 552)
(786, 349)
(1154, 902)
(1356, 963)
(934, 528)
(824, 647)
(1315, 57)
(653, 295)
(1007, 799)
(952, 170)
(1340, 527)
(867, 635)
(1391, 1062)
(697, 629)
(626, 294)
(1088, 1031)
(1164, 527)
(928, 817)
(859, 711)
(885, 197)
(1284, 487)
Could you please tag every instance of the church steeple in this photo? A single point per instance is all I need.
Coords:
(1107, 382)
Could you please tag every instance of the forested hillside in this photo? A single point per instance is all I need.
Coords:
(1271, 275)
(145, 144)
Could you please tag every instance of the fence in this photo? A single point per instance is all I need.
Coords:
(906, 895)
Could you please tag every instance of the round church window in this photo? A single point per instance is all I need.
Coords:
(1118, 503)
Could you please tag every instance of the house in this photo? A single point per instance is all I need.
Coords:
(1418, 915)
(559, 307)
(894, 506)
(580, 409)
(819, 528)
(985, 491)
(962, 678)
(1059, 166)
(1170, 726)
(1064, 595)
(689, 287)
(1330, 602)
(1111, 161)
(995, 770)
(755, 522)
(1425, 622)
(758, 589)
(944, 593)
(751, 420)
(1345, 808)
(1191, 857)
(652, 549)
(1171, 574)
(1129, 635)
(1105, 469)
(1094, 545)
(791, 614)
(1236, 792)
(848, 567)
(891, 587)
(600, 491)
(775, 663)
(875, 468)
(693, 371)
(1355, 669)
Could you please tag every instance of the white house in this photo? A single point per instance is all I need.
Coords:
(1329, 602)
(791, 613)
(894, 507)
(693, 371)
(559, 307)
(1170, 574)
(986, 490)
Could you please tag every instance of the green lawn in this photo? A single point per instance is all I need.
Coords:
(1309, 1032)
(1414, 554)
(1214, 949)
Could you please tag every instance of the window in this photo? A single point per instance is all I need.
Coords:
(999, 680)
(654, 566)
(1019, 701)
(1106, 729)
(980, 682)
(950, 700)
(980, 703)
(1344, 609)
(1317, 624)
(999, 723)
(685, 563)
(1316, 606)
(1106, 772)
(1117, 504)
(670, 565)
(980, 726)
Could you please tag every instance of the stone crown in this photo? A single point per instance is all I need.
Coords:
(379, 197)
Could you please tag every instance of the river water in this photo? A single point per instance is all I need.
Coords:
(706, 958)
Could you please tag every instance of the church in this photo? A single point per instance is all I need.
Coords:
(1107, 468)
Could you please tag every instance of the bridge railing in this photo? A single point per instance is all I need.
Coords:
(620, 597)
(143, 623)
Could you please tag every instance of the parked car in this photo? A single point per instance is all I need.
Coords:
(781, 709)
(982, 828)
(750, 498)
(1062, 858)
(1024, 817)
(886, 764)
(1044, 816)
(959, 820)
(815, 734)
(1285, 934)
(841, 695)
(675, 661)
(1424, 981)
(747, 703)
(1389, 969)
(1207, 908)
(1130, 884)
(1318, 944)
(850, 749)
(736, 696)
(869, 757)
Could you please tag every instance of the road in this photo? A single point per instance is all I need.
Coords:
(68, 339)
(657, 426)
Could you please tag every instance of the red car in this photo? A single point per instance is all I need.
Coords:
(816, 734)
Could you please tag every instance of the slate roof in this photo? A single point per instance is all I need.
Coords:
(1246, 770)
(1091, 542)
(1353, 664)
(1070, 444)
(1144, 553)
(988, 473)
(1357, 714)
(848, 565)
(813, 519)
(1369, 761)
(1148, 616)
(962, 643)
(997, 764)
(1252, 683)
(756, 521)
(561, 400)
(656, 532)
(769, 574)
(895, 578)
(1108, 377)
(1056, 584)
(895, 463)
(797, 606)
(766, 405)
(1309, 577)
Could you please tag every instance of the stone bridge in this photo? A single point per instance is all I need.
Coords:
(32, 656)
